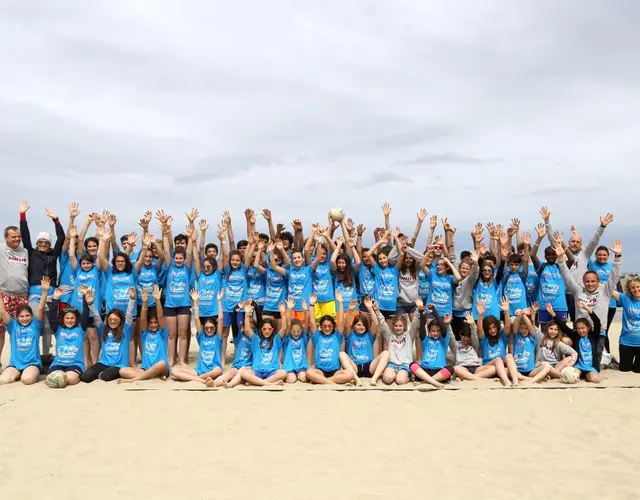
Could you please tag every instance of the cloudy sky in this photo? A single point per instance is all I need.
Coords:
(477, 113)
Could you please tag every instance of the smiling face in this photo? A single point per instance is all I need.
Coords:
(553, 331)
(581, 328)
(602, 256)
(327, 327)
(398, 327)
(148, 258)
(24, 317)
(113, 320)
(360, 328)
(266, 330)
(550, 256)
(235, 261)
(121, 263)
(178, 259)
(493, 330)
(92, 248)
(465, 269)
(633, 287)
(153, 325)
(383, 260)
(296, 331)
(322, 255)
(209, 328)
(434, 330)
(341, 264)
(575, 243)
(212, 252)
(13, 238)
(486, 273)
(69, 320)
(298, 259)
(591, 281)
(441, 267)
(207, 267)
(86, 265)
(43, 245)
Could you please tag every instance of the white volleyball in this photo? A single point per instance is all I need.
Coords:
(569, 375)
(336, 214)
(56, 380)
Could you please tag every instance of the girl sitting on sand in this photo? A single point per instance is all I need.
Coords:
(465, 352)
(525, 348)
(70, 340)
(494, 344)
(585, 338)
(323, 352)
(360, 341)
(552, 349)
(115, 336)
(266, 349)
(295, 344)
(209, 337)
(154, 343)
(25, 331)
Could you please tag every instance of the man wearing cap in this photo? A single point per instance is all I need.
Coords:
(43, 261)
(14, 283)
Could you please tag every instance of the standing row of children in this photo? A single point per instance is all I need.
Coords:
(324, 309)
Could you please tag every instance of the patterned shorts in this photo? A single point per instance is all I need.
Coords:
(11, 303)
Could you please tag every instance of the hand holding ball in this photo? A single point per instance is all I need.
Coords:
(336, 214)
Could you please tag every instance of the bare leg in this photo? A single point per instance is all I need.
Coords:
(72, 378)
(237, 378)
(225, 377)
(510, 363)
(135, 343)
(160, 369)
(172, 325)
(342, 377)
(592, 377)
(402, 377)
(94, 345)
(378, 366)
(30, 375)
(540, 373)
(389, 376)
(302, 377)
(422, 375)
(183, 331)
(486, 371)
(225, 340)
(87, 352)
(347, 364)
(9, 375)
(186, 374)
(291, 378)
(501, 371)
(2, 335)
(129, 373)
(315, 376)
(464, 374)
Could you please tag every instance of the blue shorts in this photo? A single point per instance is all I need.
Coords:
(71, 368)
(299, 370)
(408, 309)
(264, 374)
(227, 319)
(545, 317)
(397, 368)
(201, 371)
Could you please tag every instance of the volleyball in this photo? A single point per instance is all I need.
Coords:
(336, 214)
(56, 380)
(569, 375)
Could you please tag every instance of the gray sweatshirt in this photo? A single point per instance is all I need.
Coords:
(466, 355)
(579, 266)
(549, 353)
(598, 300)
(14, 266)
(400, 345)
(463, 292)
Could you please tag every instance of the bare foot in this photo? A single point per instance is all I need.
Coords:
(358, 381)
(373, 383)
(209, 382)
(225, 384)
(218, 382)
(163, 378)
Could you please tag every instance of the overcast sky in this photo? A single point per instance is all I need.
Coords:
(476, 111)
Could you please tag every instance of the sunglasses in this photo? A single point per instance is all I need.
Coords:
(209, 327)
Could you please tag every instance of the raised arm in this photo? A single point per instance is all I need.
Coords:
(309, 244)
(157, 295)
(204, 225)
(248, 311)
(456, 274)
(224, 251)
(251, 247)
(614, 275)
(112, 225)
(74, 211)
(266, 213)
(131, 307)
(334, 256)
(421, 216)
(103, 263)
(298, 235)
(85, 228)
(192, 234)
(24, 227)
(348, 247)
(504, 305)
(144, 310)
(541, 230)
(272, 262)
(605, 220)
(482, 309)
(382, 241)
(433, 223)
(166, 243)
(73, 238)
(339, 313)
(195, 298)
(570, 284)
(227, 221)
(259, 258)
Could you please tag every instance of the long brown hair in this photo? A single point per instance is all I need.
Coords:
(117, 332)
(347, 274)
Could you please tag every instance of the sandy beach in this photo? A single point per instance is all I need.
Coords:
(171, 440)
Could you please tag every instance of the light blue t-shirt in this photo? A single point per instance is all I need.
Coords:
(532, 285)
(497, 350)
(177, 288)
(327, 350)
(243, 356)
(69, 347)
(210, 352)
(66, 277)
(585, 355)
(25, 343)
(630, 335)
(348, 292)
(154, 347)
(488, 293)
(235, 288)
(300, 285)
(266, 353)
(117, 289)
(147, 278)
(208, 286)
(367, 281)
(92, 280)
(434, 352)
(114, 352)
(275, 290)
(360, 347)
(424, 285)
(386, 286)
(295, 353)
(514, 289)
(551, 288)
(322, 282)
(441, 292)
(524, 352)
(255, 285)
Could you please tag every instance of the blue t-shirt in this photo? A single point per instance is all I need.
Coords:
(69, 347)
(25, 343)
(386, 286)
(367, 281)
(154, 347)
(630, 335)
(434, 352)
(66, 277)
(603, 271)
(327, 350)
(514, 289)
(92, 280)
(114, 352)
(177, 288)
(532, 285)
(424, 285)
(266, 353)
(349, 293)
(243, 356)
(551, 288)
(116, 294)
(295, 353)
(487, 292)
(235, 288)
(275, 290)
(210, 352)
(524, 352)
(585, 355)
(441, 292)
(322, 282)
(255, 285)
(497, 350)
(300, 285)
(147, 278)
(208, 286)
(360, 347)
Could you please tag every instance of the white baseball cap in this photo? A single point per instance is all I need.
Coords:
(44, 236)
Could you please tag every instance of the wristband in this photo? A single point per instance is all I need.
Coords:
(618, 255)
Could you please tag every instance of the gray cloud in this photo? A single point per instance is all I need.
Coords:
(445, 158)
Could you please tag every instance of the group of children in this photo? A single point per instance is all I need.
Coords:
(324, 309)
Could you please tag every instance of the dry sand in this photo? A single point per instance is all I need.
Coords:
(170, 440)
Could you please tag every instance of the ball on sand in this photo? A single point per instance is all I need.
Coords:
(569, 375)
(336, 214)
(56, 380)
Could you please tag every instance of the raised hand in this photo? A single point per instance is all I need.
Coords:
(535, 307)
(583, 305)
(220, 294)
(504, 305)
(558, 237)
(312, 299)
(266, 213)
(419, 303)
(144, 295)
(74, 209)
(574, 230)
(305, 306)
(349, 224)
(50, 213)
(559, 251)
(296, 224)
(361, 229)
(148, 240)
(433, 222)
(353, 304)
(447, 318)
(541, 230)
(132, 239)
(386, 209)
(338, 296)
(475, 256)
(422, 215)
(616, 248)
(544, 212)
(291, 303)
(605, 220)
(367, 301)
(227, 217)
(445, 225)
(195, 296)
(132, 293)
(549, 308)
(107, 235)
(24, 206)
(204, 225)
(481, 307)
(280, 227)
(162, 216)
(156, 293)
(45, 283)
(112, 220)
(526, 238)
(468, 318)
(57, 293)
(73, 232)
(88, 295)
(192, 215)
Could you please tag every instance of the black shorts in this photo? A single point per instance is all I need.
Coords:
(364, 370)
(273, 314)
(433, 371)
(329, 373)
(472, 369)
(405, 309)
(172, 312)
(151, 312)
(91, 323)
(58, 368)
(526, 374)
(387, 314)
